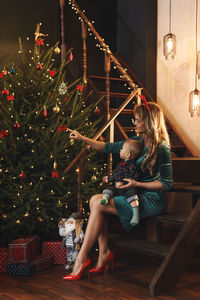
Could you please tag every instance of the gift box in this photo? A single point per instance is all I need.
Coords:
(41, 262)
(20, 269)
(21, 251)
(54, 250)
(4, 259)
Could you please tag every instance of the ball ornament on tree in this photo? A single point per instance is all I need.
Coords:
(45, 112)
(12, 70)
(39, 67)
(22, 175)
(57, 50)
(97, 111)
(56, 109)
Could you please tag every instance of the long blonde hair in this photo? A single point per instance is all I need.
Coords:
(155, 131)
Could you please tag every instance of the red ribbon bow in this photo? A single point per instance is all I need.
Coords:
(40, 42)
(145, 101)
(5, 92)
(10, 98)
(54, 174)
(3, 133)
(52, 73)
(62, 127)
(79, 87)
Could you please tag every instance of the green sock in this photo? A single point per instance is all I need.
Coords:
(105, 200)
(136, 216)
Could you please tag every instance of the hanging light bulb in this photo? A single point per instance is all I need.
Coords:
(169, 40)
(194, 103)
(194, 96)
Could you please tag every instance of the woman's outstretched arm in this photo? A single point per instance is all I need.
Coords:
(97, 145)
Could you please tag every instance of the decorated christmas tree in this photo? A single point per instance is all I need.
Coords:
(37, 105)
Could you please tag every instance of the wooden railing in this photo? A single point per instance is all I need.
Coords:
(79, 159)
(86, 26)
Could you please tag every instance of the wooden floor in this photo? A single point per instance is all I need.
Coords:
(129, 281)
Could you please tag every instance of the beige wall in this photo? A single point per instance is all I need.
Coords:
(176, 78)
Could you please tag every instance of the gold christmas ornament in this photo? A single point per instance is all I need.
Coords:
(57, 50)
(71, 142)
(56, 109)
(55, 165)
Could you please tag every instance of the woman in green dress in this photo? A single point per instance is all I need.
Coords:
(155, 177)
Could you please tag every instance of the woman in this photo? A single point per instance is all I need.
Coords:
(155, 176)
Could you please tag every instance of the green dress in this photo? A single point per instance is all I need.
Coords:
(152, 202)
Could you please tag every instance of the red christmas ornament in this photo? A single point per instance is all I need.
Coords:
(39, 67)
(16, 125)
(4, 72)
(79, 87)
(40, 42)
(54, 174)
(52, 73)
(22, 175)
(97, 111)
(10, 98)
(45, 112)
(1, 75)
(5, 92)
(71, 56)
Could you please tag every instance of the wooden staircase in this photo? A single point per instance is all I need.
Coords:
(186, 170)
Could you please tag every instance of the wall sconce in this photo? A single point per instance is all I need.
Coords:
(169, 40)
(194, 96)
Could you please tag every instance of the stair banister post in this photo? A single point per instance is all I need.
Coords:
(110, 133)
(138, 96)
(84, 37)
(63, 45)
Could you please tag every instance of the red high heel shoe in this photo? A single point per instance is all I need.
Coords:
(80, 274)
(109, 259)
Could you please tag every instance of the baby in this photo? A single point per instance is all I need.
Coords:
(126, 169)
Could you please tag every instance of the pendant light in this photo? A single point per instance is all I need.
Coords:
(169, 40)
(194, 96)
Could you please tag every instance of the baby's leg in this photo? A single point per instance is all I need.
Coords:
(136, 211)
(107, 195)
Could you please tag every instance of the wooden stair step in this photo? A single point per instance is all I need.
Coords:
(172, 218)
(104, 78)
(140, 246)
(112, 94)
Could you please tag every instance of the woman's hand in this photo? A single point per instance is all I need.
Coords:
(130, 184)
(75, 135)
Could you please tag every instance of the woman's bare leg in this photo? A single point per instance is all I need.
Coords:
(96, 229)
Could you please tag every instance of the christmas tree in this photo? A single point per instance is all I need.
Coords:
(37, 105)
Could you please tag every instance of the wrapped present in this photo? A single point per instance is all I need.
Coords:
(4, 259)
(54, 250)
(20, 269)
(41, 262)
(21, 251)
